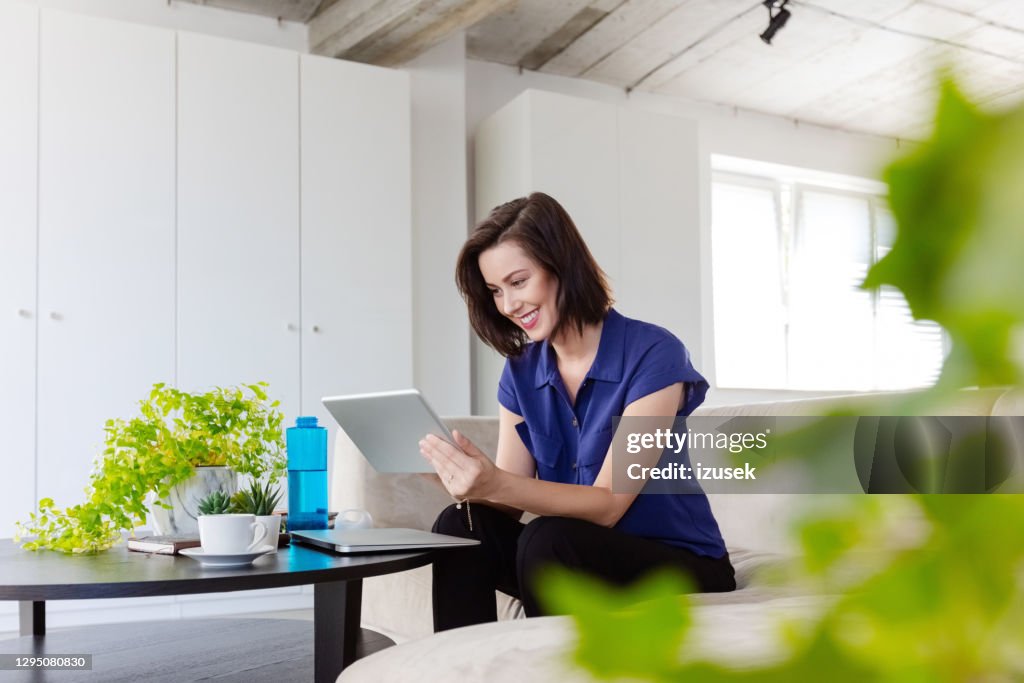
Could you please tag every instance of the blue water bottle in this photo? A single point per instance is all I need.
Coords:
(307, 475)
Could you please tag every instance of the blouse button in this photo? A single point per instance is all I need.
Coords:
(575, 422)
(574, 464)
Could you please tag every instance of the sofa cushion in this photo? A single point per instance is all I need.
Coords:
(539, 649)
(1010, 403)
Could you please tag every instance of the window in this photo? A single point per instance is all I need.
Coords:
(790, 250)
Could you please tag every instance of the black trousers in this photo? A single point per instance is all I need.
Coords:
(510, 554)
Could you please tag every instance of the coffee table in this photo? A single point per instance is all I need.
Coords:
(32, 578)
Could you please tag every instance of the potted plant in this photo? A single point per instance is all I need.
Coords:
(216, 503)
(147, 458)
(224, 530)
(260, 500)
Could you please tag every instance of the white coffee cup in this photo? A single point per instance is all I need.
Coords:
(273, 526)
(230, 534)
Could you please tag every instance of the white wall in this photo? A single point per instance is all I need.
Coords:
(188, 16)
(440, 223)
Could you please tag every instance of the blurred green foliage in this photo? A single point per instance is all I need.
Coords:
(947, 604)
(959, 206)
(948, 607)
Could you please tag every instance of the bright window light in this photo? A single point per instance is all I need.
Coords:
(789, 251)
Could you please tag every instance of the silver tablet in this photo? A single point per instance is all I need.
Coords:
(388, 426)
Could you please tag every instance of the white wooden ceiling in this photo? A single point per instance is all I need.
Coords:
(860, 65)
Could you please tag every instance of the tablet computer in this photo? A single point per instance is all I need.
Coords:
(387, 427)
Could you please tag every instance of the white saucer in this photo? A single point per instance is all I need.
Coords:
(226, 559)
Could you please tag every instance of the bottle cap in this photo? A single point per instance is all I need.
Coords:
(305, 421)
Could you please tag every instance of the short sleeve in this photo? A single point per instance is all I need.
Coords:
(507, 390)
(664, 364)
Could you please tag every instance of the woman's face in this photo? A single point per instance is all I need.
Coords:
(523, 291)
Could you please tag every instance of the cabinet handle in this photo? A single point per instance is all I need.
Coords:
(290, 327)
(24, 313)
(54, 315)
(316, 329)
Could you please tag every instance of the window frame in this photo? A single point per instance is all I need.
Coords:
(787, 189)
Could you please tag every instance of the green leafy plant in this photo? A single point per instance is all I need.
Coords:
(258, 499)
(216, 503)
(149, 454)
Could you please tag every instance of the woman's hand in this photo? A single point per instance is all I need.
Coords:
(464, 470)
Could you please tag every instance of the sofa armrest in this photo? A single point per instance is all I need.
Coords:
(399, 500)
(394, 500)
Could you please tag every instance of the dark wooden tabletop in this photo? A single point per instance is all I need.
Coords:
(118, 572)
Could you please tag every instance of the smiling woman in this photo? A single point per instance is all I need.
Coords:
(525, 249)
(537, 296)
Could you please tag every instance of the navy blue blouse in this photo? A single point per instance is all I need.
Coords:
(569, 442)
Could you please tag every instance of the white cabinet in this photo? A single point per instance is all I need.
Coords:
(628, 178)
(356, 231)
(19, 34)
(105, 232)
(179, 231)
(238, 217)
(659, 230)
(573, 156)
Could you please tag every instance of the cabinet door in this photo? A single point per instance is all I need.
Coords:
(19, 71)
(356, 231)
(574, 157)
(660, 266)
(106, 229)
(238, 216)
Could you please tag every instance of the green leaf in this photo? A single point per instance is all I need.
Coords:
(636, 631)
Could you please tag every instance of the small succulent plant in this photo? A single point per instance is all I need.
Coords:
(257, 499)
(217, 503)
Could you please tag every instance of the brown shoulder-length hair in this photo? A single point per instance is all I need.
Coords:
(543, 229)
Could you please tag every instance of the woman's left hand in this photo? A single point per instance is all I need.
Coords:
(464, 470)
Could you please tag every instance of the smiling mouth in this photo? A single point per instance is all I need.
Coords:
(530, 319)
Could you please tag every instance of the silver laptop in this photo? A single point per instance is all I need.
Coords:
(378, 540)
(387, 427)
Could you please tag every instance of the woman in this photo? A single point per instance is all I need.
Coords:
(536, 295)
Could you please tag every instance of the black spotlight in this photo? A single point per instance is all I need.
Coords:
(775, 21)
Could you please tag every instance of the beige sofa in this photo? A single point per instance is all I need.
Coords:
(755, 528)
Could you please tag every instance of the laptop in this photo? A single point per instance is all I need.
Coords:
(387, 427)
(378, 540)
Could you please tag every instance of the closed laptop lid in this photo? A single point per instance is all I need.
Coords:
(378, 540)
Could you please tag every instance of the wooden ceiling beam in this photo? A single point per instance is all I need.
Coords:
(556, 43)
(391, 32)
(287, 10)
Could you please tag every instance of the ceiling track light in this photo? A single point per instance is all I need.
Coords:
(776, 19)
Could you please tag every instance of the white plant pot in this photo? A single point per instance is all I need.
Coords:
(273, 525)
(182, 518)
